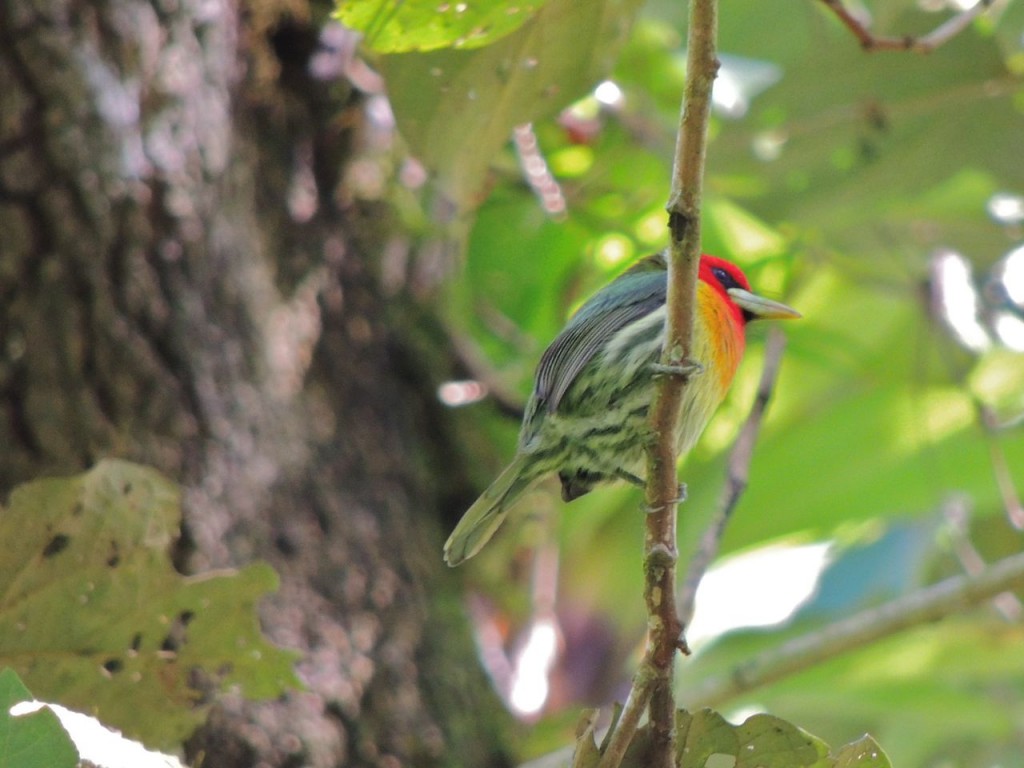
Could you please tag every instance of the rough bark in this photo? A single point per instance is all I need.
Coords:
(189, 279)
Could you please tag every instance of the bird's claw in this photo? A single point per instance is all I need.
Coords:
(630, 478)
(684, 370)
(679, 499)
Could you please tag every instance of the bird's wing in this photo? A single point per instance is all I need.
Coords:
(609, 311)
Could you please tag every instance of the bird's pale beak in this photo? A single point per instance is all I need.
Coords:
(760, 307)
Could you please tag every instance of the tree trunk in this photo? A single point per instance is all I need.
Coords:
(191, 276)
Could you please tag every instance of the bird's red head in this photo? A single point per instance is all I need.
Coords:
(721, 275)
(732, 285)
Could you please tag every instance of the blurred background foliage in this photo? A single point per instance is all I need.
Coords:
(883, 195)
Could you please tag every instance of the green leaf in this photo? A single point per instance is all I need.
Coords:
(586, 753)
(923, 693)
(701, 735)
(94, 616)
(862, 753)
(398, 26)
(457, 108)
(770, 742)
(705, 739)
(37, 740)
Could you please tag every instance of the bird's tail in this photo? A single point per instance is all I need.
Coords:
(487, 514)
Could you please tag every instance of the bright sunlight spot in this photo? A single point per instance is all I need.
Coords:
(98, 744)
(457, 393)
(928, 417)
(530, 677)
(1006, 208)
(739, 81)
(961, 5)
(608, 93)
(957, 299)
(943, 412)
(572, 161)
(727, 96)
(768, 145)
(1010, 330)
(650, 228)
(774, 581)
(744, 234)
(1012, 275)
(1008, 323)
(614, 249)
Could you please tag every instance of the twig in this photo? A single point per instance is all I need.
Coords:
(652, 683)
(923, 44)
(629, 719)
(920, 607)
(737, 476)
(473, 360)
(957, 511)
(1000, 468)
(664, 629)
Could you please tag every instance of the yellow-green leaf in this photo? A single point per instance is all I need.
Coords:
(395, 26)
(94, 616)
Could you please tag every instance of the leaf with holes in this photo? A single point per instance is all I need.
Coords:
(705, 739)
(94, 616)
(862, 753)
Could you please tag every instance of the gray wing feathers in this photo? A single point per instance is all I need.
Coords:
(590, 328)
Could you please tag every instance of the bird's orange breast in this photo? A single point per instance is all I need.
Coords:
(718, 346)
(719, 331)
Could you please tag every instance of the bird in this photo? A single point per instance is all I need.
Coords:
(587, 416)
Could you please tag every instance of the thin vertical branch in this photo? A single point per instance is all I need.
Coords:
(652, 682)
(664, 628)
(1000, 467)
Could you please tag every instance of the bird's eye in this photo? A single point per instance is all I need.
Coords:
(723, 277)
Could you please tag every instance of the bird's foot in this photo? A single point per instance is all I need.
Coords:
(684, 370)
(679, 499)
(630, 478)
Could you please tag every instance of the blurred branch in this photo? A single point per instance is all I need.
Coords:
(618, 739)
(924, 44)
(920, 607)
(1000, 467)
(738, 475)
(957, 511)
(474, 361)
